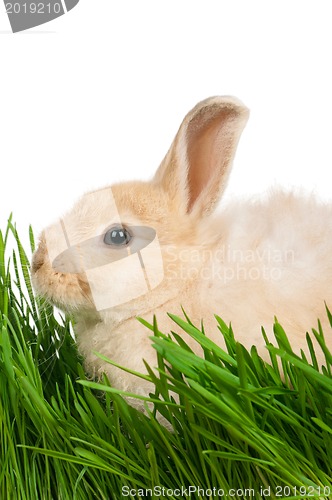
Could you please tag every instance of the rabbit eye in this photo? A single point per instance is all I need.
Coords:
(117, 236)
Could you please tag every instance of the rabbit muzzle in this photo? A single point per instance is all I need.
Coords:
(66, 290)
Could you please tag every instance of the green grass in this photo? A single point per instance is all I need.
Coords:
(236, 424)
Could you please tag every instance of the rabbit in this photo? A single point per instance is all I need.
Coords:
(145, 249)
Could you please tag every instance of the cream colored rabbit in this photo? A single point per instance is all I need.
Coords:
(148, 248)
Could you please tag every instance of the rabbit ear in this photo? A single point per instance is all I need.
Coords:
(195, 170)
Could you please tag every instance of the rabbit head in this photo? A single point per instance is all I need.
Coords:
(112, 248)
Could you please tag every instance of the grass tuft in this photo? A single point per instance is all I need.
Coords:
(236, 423)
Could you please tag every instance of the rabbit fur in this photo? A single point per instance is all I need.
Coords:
(254, 260)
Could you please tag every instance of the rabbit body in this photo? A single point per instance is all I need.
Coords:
(254, 260)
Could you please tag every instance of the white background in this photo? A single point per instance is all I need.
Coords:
(97, 95)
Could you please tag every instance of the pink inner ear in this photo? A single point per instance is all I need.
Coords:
(209, 146)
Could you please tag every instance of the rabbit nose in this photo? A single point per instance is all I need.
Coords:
(38, 257)
(37, 261)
